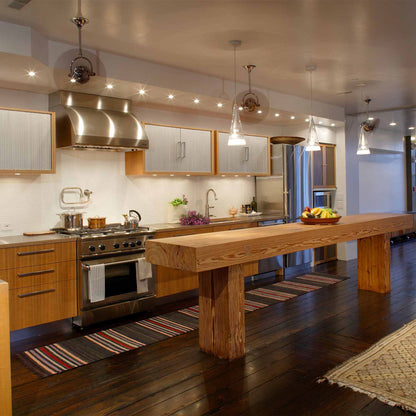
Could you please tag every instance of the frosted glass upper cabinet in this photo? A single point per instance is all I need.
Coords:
(27, 141)
(173, 150)
(251, 159)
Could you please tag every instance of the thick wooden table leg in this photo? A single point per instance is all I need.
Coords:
(373, 257)
(5, 375)
(221, 312)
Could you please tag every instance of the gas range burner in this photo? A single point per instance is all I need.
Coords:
(109, 230)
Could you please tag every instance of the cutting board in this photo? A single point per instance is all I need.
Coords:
(38, 233)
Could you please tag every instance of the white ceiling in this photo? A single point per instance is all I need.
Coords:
(350, 41)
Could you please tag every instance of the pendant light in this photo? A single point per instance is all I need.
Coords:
(312, 142)
(363, 148)
(236, 137)
(80, 72)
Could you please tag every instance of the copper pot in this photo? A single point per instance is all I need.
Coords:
(96, 222)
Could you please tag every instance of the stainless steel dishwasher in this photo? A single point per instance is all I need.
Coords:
(272, 263)
(300, 258)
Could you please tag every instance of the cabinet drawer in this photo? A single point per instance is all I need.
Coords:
(40, 304)
(39, 275)
(37, 254)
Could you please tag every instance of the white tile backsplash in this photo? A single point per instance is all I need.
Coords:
(32, 203)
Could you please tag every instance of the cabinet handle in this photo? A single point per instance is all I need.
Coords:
(178, 150)
(36, 273)
(27, 253)
(25, 295)
(183, 149)
(246, 153)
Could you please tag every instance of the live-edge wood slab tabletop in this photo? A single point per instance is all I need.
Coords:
(218, 257)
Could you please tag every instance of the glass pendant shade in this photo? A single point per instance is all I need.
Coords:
(363, 148)
(236, 137)
(312, 142)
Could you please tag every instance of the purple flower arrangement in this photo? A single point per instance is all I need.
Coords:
(194, 218)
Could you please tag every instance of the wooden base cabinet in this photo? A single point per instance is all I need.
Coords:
(35, 305)
(42, 283)
(170, 281)
(325, 254)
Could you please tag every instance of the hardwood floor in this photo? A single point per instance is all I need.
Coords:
(289, 346)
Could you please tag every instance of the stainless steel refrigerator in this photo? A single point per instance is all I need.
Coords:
(287, 192)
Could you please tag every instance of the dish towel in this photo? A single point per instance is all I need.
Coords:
(143, 273)
(96, 282)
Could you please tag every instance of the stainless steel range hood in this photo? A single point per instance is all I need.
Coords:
(96, 122)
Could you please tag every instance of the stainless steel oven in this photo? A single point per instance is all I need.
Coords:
(121, 276)
(322, 199)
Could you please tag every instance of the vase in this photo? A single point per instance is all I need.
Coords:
(175, 213)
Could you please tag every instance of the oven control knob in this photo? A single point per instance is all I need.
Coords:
(125, 244)
(138, 242)
(132, 244)
(116, 245)
(91, 248)
(101, 247)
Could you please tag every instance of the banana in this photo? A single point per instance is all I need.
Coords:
(316, 211)
(305, 214)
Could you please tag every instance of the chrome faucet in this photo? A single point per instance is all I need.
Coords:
(207, 206)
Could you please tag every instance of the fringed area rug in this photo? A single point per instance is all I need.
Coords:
(66, 355)
(386, 371)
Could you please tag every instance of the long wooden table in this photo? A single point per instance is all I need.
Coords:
(218, 259)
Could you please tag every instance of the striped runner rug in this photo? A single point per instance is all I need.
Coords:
(66, 355)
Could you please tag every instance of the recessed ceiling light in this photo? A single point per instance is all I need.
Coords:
(171, 96)
(240, 108)
(292, 117)
(306, 119)
(196, 101)
(73, 80)
(188, 174)
(142, 92)
(319, 122)
(276, 114)
(31, 73)
(219, 105)
(332, 124)
(109, 86)
(411, 128)
(393, 123)
(259, 111)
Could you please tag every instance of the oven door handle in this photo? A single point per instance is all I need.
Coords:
(86, 267)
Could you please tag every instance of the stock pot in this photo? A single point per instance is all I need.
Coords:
(71, 220)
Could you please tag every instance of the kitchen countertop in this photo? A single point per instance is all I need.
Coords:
(23, 240)
(215, 222)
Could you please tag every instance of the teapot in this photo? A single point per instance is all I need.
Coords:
(132, 221)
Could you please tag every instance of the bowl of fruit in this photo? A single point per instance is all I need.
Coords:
(319, 216)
